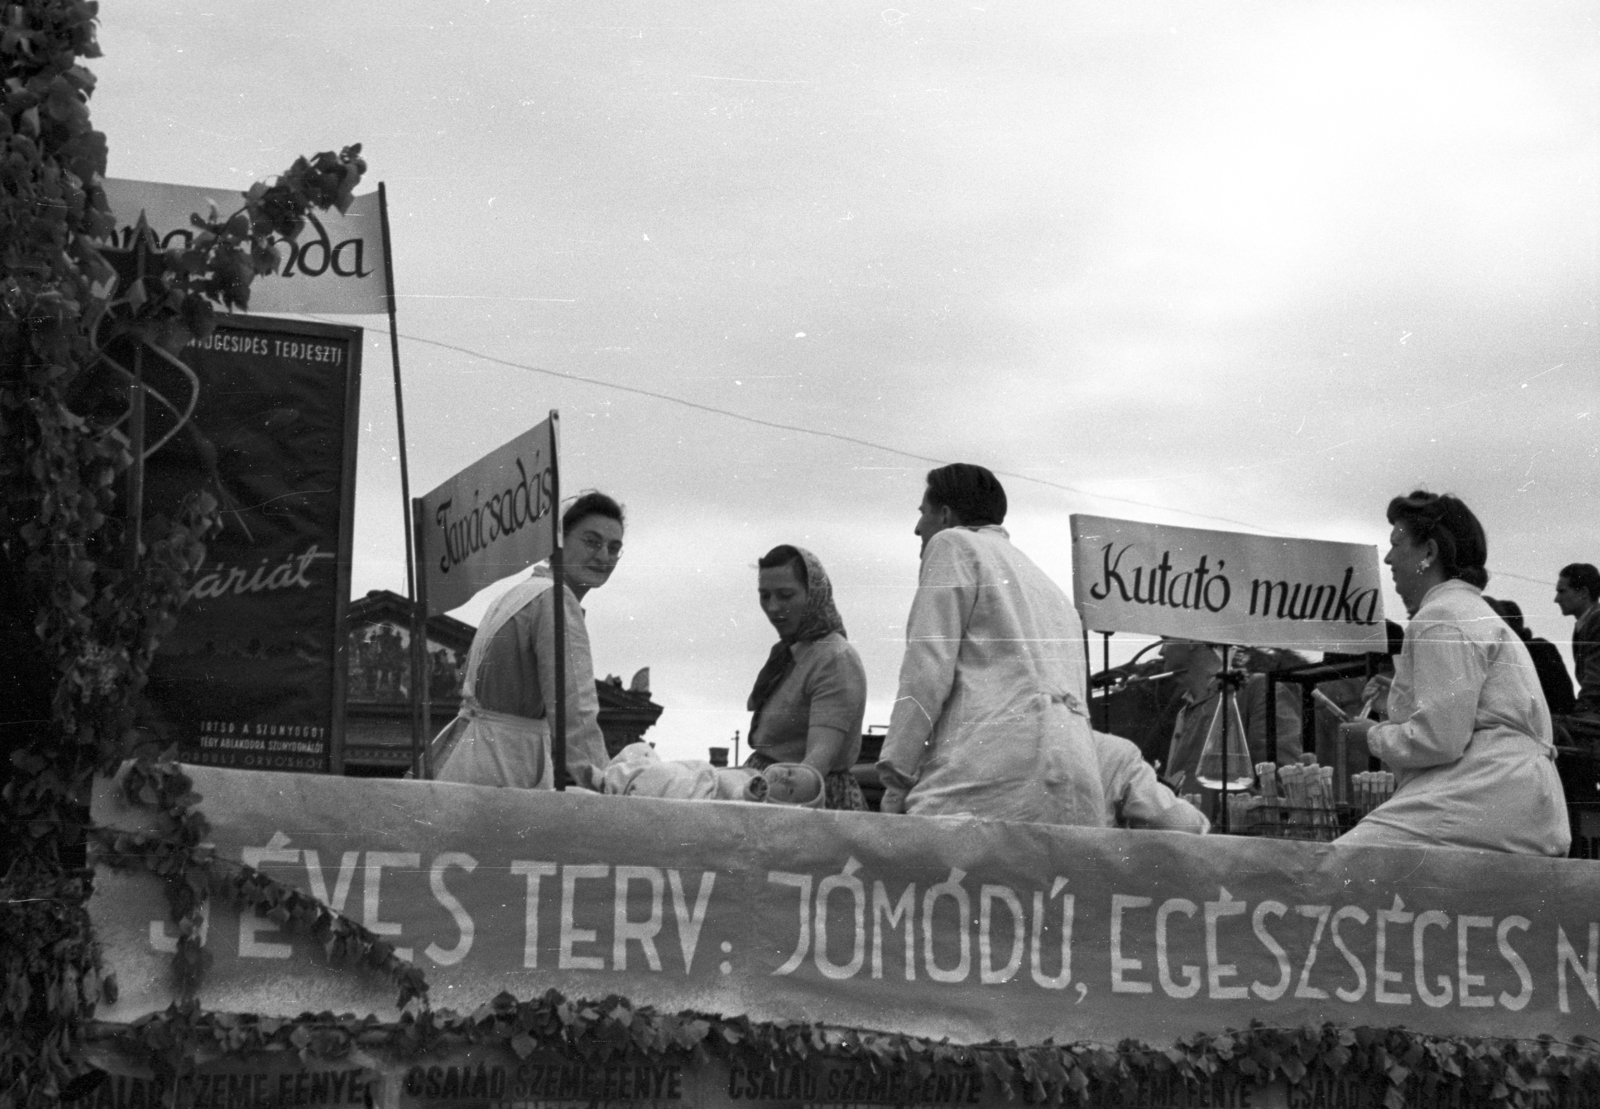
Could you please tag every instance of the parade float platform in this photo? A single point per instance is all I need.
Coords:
(941, 930)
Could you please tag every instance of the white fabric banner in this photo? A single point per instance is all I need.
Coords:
(961, 929)
(1223, 587)
(334, 268)
(494, 518)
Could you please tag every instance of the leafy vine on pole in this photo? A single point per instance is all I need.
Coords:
(79, 619)
(175, 851)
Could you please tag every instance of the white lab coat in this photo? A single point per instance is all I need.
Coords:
(1468, 738)
(499, 747)
(991, 718)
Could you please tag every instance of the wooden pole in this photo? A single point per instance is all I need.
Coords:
(558, 727)
(412, 512)
(1105, 694)
(421, 663)
(1088, 670)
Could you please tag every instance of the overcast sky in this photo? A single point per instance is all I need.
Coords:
(1257, 267)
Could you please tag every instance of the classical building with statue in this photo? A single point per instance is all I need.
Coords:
(377, 696)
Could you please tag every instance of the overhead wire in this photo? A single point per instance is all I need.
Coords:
(803, 430)
(870, 444)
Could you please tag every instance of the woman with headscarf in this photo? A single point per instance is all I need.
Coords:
(810, 697)
(1468, 734)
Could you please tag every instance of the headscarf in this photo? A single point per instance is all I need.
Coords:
(819, 619)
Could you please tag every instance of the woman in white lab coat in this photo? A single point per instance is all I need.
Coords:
(501, 736)
(1468, 733)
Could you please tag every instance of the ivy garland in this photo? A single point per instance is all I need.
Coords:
(85, 593)
(193, 873)
(1401, 1064)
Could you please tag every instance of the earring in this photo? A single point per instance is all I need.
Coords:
(1424, 564)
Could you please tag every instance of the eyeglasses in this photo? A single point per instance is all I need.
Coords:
(594, 544)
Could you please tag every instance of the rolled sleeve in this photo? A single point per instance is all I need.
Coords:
(837, 692)
(586, 744)
(1146, 803)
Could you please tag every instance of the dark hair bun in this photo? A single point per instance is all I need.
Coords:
(1443, 518)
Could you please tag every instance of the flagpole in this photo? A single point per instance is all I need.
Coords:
(417, 724)
(558, 733)
(421, 661)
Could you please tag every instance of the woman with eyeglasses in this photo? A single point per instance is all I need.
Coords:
(501, 736)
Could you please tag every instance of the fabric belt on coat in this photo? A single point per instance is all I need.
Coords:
(1072, 701)
(445, 742)
(471, 710)
(1496, 739)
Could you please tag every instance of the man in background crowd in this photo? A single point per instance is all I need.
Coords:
(1577, 594)
(1553, 679)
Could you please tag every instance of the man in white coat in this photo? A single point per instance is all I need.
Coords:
(991, 719)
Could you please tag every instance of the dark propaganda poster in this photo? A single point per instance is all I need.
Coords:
(253, 674)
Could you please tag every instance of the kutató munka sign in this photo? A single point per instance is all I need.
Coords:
(1223, 587)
